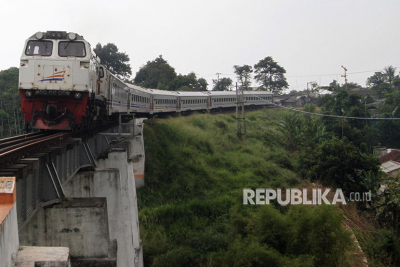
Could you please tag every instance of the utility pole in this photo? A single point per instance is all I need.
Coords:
(243, 118)
(218, 79)
(345, 76)
(218, 76)
(237, 112)
(365, 102)
(240, 99)
(342, 119)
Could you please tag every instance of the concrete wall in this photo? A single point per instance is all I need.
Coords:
(9, 241)
(137, 153)
(103, 183)
(114, 180)
(117, 159)
(43, 257)
(80, 224)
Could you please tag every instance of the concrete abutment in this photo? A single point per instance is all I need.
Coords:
(96, 223)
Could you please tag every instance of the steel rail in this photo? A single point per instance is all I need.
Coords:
(13, 152)
(19, 137)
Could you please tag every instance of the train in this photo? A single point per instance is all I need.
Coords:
(64, 86)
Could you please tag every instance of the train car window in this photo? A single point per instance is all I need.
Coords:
(71, 49)
(101, 72)
(39, 48)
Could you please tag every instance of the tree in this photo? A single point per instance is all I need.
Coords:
(10, 103)
(243, 74)
(202, 84)
(389, 73)
(184, 82)
(337, 162)
(384, 82)
(314, 87)
(271, 75)
(157, 74)
(292, 129)
(115, 61)
(375, 80)
(223, 84)
(334, 86)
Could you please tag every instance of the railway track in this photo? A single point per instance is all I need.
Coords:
(17, 147)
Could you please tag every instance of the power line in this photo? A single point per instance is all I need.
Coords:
(308, 75)
(319, 114)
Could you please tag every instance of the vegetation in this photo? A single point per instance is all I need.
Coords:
(197, 168)
(270, 75)
(116, 62)
(159, 74)
(243, 74)
(11, 118)
(191, 210)
(224, 84)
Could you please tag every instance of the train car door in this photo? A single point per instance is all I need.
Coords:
(151, 103)
(109, 96)
(128, 103)
(102, 82)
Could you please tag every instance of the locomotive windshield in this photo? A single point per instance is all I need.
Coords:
(71, 49)
(39, 48)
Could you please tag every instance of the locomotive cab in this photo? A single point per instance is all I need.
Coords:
(57, 78)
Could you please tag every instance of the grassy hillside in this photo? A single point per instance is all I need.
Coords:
(191, 211)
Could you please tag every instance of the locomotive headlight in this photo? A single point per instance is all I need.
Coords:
(77, 95)
(39, 35)
(72, 36)
(28, 93)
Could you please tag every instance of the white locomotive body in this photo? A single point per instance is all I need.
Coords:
(57, 80)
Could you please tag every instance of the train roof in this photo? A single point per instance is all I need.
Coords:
(57, 35)
(152, 91)
(195, 94)
(229, 93)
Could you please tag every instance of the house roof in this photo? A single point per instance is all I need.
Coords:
(390, 166)
(394, 155)
(363, 92)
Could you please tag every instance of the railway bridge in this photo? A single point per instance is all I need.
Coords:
(69, 199)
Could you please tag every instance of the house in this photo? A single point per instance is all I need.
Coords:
(391, 167)
(296, 99)
(363, 92)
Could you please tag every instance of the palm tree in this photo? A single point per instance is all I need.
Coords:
(389, 73)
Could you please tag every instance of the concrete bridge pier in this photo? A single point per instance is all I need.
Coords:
(113, 179)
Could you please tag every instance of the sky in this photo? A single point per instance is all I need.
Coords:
(311, 39)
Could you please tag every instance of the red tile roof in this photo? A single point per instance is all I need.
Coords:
(394, 155)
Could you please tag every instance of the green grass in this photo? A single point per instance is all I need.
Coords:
(191, 211)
